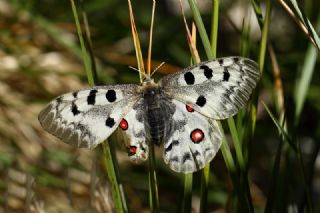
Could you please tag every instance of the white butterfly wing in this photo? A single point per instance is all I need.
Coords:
(192, 141)
(217, 89)
(87, 117)
(132, 125)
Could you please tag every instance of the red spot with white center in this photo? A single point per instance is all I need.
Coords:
(189, 108)
(197, 135)
(132, 150)
(123, 124)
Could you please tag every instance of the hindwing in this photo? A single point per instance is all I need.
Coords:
(133, 126)
(192, 141)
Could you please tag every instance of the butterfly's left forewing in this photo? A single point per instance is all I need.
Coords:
(87, 117)
(191, 141)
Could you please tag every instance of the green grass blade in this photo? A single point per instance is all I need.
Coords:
(272, 195)
(224, 148)
(205, 175)
(264, 36)
(257, 10)
(261, 60)
(244, 201)
(187, 193)
(117, 193)
(202, 31)
(211, 54)
(280, 128)
(308, 193)
(311, 31)
(226, 153)
(85, 55)
(303, 81)
(214, 27)
(153, 187)
(237, 144)
(245, 36)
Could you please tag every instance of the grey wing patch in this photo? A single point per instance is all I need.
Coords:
(193, 140)
(132, 125)
(217, 89)
(87, 117)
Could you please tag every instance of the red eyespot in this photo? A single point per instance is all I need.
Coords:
(132, 150)
(189, 108)
(123, 124)
(197, 135)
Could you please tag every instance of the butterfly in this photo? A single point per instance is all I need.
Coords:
(180, 112)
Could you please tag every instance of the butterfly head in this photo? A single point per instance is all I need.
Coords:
(148, 84)
(148, 80)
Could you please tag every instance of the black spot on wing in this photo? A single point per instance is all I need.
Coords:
(189, 78)
(74, 109)
(139, 134)
(207, 150)
(59, 99)
(110, 122)
(226, 75)
(207, 71)
(201, 101)
(186, 157)
(236, 59)
(169, 148)
(111, 95)
(196, 153)
(91, 99)
(175, 158)
(75, 94)
(220, 61)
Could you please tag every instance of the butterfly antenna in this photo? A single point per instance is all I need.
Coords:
(158, 67)
(135, 69)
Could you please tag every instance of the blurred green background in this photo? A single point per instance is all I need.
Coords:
(40, 58)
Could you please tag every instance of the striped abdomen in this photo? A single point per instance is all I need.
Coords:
(156, 124)
(154, 116)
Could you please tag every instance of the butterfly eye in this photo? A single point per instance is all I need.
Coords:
(132, 150)
(123, 124)
(197, 135)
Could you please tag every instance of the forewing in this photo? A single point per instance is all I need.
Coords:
(193, 140)
(217, 89)
(132, 125)
(87, 117)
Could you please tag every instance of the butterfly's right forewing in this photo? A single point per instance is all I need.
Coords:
(216, 89)
(87, 117)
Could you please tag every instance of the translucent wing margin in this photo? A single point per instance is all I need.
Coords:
(217, 89)
(87, 117)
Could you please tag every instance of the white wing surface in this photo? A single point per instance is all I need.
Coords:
(193, 140)
(216, 89)
(87, 117)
